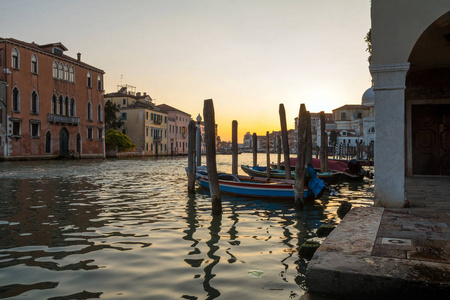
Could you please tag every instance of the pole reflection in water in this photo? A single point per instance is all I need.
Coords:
(126, 229)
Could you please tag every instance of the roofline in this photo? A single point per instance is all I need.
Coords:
(65, 57)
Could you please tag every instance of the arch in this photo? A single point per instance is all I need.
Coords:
(66, 106)
(89, 111)
(48, 142)
(99, 82)
(34, 103)
(15, 99)
(72, 74)
(89, 79)
(66, 73)
(427, 101)
(64, 141)
(99, 113)
(61, 71)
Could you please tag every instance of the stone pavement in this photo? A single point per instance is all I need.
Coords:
(384, 252)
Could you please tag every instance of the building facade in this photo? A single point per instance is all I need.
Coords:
(178, 122)
(411, 72)
(51, 104)
(143, 122)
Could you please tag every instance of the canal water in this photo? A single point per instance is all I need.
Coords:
(126, 229)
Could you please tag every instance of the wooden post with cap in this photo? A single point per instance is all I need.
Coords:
(234, 147)
(191, 157)
(284, 137)
(301, 158)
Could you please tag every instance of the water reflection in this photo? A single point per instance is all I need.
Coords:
(127, 229)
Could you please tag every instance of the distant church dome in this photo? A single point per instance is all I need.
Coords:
(368, 97)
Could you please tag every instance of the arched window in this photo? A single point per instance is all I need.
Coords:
(89, 79)
(54, 105)
(55, 69)
(66, 106)
(15, 59)
(89, 111)
(71, 74)
(48, 142)
(99, 113)
(99, 83)
(16, 100)
(34, 64)
(72, 108)
(61, 71)
(78, 142)
(61, 105)
(66, 72)
(34, 103)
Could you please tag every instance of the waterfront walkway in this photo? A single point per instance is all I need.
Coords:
(384, 252)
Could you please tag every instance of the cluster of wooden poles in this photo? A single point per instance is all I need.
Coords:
(304, 152)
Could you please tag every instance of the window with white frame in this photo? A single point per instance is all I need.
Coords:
(34, 64)
(55, 69)
(15, 59)
(66, 106)
(100, 133)
(16, 128)
(61, 71)
(34, 128)
(71, 74)
(16, 100)
(99, 113)
(89, 111)
(90, 133)
(34, 103)
(54, 105)
(61, 105)
(99, 83)
(89, 80)
(66, 73)
(146, 131)
(72, 107)
(48, 142)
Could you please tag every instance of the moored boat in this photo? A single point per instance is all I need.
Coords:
(259, 171)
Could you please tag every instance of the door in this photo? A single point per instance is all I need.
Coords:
(64, 141)
(431, 139)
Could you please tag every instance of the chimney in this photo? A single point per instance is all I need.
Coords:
(79, 56)
(145, 93)
(138, 94)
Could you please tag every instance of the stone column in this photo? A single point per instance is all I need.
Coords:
(389, 160)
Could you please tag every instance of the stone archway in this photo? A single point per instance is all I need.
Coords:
(64, 141)
(427, 100)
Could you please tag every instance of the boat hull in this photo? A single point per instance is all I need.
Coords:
(328, 177)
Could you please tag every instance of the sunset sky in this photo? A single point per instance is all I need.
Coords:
(247, 55)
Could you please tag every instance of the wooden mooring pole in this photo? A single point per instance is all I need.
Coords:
(309, 145)
(210, 142)
(191, 157)
(301, 157)
(255, 150)
(278, 152)
(234, 147)
(284, 137)
(323, 144)
(268, 155)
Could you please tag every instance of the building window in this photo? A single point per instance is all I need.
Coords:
(359, 116)
(16, 100)
(90, 134)
(34, 103)
(165, 119)
(99, 113)
(55, 69)
(61, 71)
(48, 142)
(100, 133)
(16, 128)
(343, 116)
(124, 131)
(72, 108)
(35, 126)
(99, 83)
(1, 56)
(54, 105)
(66, 73)
(146, 147)
(89, 80)
(15, 59)
(89, 111)
(61, 105)
(146, 115)
(71, 74)
(66, 106)
(78, 142)
(34, 64)
(124, 101)
(146, 131)
(123, 116)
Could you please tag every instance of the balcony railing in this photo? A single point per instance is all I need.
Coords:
(63, 119)
(157, 122)
(157, 138)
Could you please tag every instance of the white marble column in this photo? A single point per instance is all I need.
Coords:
(389, 91)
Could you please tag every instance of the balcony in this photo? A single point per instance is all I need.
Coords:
(157, 138)
(157, 122)
(63, 119)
